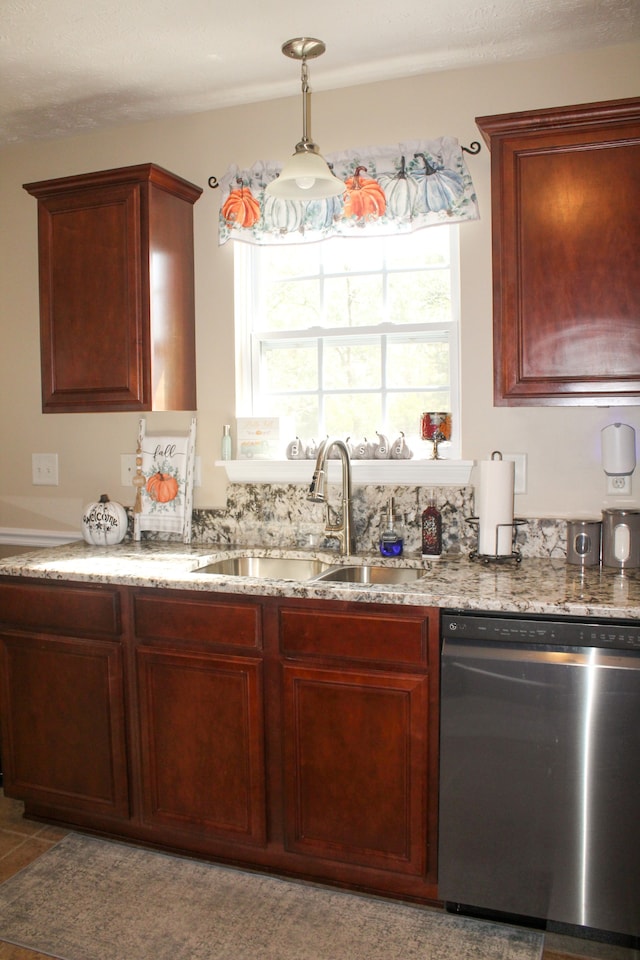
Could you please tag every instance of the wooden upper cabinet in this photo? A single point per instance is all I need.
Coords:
(117, 316)
(565, 187)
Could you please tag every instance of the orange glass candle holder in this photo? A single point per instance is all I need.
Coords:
(435, 426)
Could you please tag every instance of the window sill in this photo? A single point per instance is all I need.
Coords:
(437, 473)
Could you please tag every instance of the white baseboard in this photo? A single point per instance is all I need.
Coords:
(24, 537)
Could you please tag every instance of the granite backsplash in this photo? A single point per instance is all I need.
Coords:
(279, 515)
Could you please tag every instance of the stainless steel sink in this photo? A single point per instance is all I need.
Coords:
(371, 574)
(274, 568)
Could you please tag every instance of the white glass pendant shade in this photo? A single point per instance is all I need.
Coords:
(305, 176)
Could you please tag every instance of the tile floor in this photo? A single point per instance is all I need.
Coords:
(22, 841)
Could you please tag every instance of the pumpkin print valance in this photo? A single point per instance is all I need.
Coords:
(388, 190)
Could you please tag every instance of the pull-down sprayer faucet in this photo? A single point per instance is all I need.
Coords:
(344, 530)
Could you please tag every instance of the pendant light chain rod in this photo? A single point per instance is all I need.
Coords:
(304, 77)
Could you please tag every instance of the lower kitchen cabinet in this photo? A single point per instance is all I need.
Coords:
(202, 744)
(201, 716)
(293, 736)
(61, 666)
(360, 741)
(355, 761)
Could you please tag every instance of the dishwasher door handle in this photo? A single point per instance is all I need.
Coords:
(475, 655)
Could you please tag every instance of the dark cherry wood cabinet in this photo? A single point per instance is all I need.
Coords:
(117, 317)
(286, 735)
(201, 715)
(566, 245)
(360, 736)
(61, 670)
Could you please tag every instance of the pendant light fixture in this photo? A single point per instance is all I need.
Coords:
(306, 175)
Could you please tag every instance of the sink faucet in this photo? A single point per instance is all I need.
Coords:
(344, 530)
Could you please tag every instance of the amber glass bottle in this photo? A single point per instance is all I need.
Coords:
(431, 530)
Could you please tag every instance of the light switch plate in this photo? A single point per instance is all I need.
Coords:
(520, 478)
(44, 469)
(127, 468)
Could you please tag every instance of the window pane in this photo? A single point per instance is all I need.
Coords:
(423, 297)
(288, 368)
(355, 415)
(302, 408)
(347, 365)
(346, 255)
(417, 364)
(295, 260)
(292, 305)
(423, 248)
(354, 301)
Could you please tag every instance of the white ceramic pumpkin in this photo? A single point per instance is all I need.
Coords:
(381, 448)
(104, 523)
(400, 449)
(296, 450)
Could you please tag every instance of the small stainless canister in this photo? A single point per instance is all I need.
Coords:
(583, 542)
(621, 539)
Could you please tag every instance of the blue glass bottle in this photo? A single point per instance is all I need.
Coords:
(391, 533)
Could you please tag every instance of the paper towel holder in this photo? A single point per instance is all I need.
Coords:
(515, 554)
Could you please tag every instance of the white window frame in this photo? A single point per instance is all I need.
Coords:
(245, 287)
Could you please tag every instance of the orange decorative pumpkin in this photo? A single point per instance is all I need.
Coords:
(162, 487)
(365, 198)
(241, 209)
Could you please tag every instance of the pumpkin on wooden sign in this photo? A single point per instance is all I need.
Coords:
(162, 487)
(104, 522)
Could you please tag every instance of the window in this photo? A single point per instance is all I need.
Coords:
(350, 337)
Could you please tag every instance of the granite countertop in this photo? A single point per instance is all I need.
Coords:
(533, 586)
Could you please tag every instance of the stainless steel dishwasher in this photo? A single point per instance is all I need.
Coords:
(540, 769)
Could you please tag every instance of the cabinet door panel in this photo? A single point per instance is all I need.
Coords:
(566, 235)
(355, 770)
(64, 724)
(202, 743)
(92, 343)
(574, 228)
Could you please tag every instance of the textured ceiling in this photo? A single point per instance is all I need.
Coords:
(68, 66)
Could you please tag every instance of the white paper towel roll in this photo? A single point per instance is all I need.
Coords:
(495, 506)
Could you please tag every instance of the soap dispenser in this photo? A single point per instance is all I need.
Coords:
(391, 532)
(225, 443)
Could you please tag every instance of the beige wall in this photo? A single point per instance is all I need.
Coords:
(562, 444)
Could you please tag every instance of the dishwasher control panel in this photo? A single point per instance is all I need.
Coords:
(607, 634)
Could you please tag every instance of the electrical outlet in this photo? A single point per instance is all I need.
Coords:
(619, 486)
(44, 469)
(128, 470)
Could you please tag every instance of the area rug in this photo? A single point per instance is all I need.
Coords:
(90, 899)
